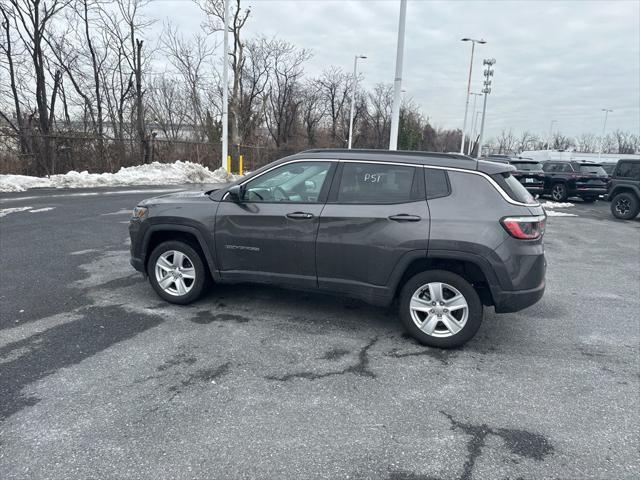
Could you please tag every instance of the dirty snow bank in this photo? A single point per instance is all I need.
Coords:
(549, 204)
(553, 213)
(154, 173)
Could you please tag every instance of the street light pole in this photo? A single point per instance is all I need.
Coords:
(488, 73)
(225, 89)
(466, 107)
(353, 95)
(473, 122)
(604, 126)
(550, 134)
(397, 83)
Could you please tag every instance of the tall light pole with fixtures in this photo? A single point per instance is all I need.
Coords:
(604, 127)
(473, 122)
(397, 82)
(225, 87)
(550, 134)
(353, 96)
(488, 73)
(466, 107)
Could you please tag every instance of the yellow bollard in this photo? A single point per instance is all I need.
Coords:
(229, 163)
(240, 165)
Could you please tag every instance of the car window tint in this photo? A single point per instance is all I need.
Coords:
(629, 170)
(549, 167)
(597, 169)
(527, 166)
(513, 187)
(437, 183)
(292, 183)
(375, 183)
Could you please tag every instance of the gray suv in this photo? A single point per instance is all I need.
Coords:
(442, 234)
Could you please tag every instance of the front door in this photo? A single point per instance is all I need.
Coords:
(269, 236)
(376, 213)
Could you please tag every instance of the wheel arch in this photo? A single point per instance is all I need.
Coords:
(156, 234)
(470, 267)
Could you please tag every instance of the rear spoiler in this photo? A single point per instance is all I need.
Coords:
(494, 167)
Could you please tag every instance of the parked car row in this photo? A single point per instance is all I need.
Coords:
(618, 182)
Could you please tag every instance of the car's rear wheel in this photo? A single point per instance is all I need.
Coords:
(177, 272)
(559, 192)
(440, 309)
(625, 206)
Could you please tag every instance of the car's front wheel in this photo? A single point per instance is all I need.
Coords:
(625, 206)
(559, 192)
(177, 272)
(440, 309)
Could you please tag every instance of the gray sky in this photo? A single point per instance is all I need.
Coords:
(556, 60)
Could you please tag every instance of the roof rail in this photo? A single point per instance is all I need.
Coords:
(412, 153)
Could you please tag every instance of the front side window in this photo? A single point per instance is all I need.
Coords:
(300, 182)
(372, 183)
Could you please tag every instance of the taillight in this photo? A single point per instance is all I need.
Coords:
(524, 228)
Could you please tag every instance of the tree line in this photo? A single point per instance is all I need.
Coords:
(83, 88)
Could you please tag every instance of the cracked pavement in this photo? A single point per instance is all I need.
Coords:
(99, 378)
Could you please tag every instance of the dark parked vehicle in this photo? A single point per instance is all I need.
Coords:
(624, 190)
(563, 179)
(441, 234)
(530, 174)
(609, 168)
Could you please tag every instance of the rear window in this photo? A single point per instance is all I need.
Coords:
(373, 183)
(628, 170)
(437, 183)
(513, 187)
(596, 169)
(528, 166)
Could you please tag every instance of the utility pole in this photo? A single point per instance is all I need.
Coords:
(225, 88)
(473, 123)
(397, 83)
(604, 127)
(466, 107)
(550, 134)
(488, 73)
(353, 96)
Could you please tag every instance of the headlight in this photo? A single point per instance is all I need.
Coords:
(140, 212)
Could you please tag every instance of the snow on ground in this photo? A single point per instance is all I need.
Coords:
(45, 209)
(549, 204)
(553, 213)
(6, 211)
(152, 174)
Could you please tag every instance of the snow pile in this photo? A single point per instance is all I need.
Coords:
(553, 213)
(547, 205)
(151, 174)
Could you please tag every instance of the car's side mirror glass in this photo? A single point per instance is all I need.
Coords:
(236, 192)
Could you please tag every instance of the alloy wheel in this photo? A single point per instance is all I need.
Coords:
(439, 310)
(557, 192)
(175, 273)
(623, 207)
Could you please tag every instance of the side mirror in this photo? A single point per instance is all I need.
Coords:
(236, 192)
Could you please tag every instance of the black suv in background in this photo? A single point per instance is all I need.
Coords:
(370, 224)
(530, 174)
(624, 190)
(564, 179)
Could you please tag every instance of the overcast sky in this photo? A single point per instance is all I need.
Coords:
(556, 60)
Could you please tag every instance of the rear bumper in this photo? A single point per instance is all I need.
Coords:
(583, 191)
(514, 301)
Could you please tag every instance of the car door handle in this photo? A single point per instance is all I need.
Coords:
(403, 217)
(299, 215)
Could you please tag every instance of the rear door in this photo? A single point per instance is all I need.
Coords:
(376, 213)
(270, 235)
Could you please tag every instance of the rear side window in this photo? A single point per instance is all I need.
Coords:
(628, 170)
(437, 183)
(513, 187)
(372, 183)
(597, 169)
(549, 167)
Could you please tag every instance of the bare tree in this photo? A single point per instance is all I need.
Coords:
(334, 88)
(312, 110)
(587, 143)
(214, 10)
(376, 125)
(506, 141)
(169, 105)
(526, 141)
(283, 98)
(561, 142)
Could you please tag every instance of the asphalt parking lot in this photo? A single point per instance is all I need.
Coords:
(101, 379)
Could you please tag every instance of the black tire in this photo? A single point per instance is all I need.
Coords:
(194, 258)
(474, 318)
(559, 192)
(589, 199)
(625, 206)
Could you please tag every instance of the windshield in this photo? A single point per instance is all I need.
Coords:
(595, 169)
(528, 166)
